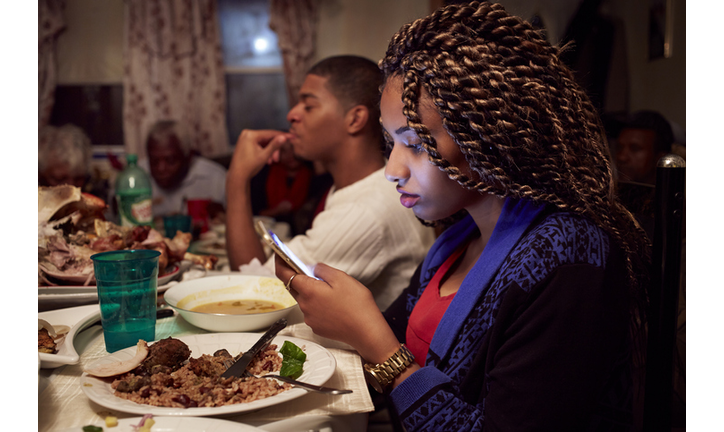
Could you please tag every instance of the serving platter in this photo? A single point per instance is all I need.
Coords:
(77, 319)
(318, 369)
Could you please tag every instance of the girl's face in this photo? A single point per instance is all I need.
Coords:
(425, 188)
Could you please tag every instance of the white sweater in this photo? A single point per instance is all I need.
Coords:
(366, 232)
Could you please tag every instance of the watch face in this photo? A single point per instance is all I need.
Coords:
(371, 380)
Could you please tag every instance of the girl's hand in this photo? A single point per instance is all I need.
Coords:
(340, 308)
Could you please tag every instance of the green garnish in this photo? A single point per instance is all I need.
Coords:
(293, 360)
(292, 351)
(291, 368)
(92, 428)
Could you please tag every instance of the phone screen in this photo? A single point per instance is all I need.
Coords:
(290, 254)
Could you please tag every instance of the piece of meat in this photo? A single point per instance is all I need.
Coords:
(46, 344)
(170, 353)
(207, 261)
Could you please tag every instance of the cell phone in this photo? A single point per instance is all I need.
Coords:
(282, 249)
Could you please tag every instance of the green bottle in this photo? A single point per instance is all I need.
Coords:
(133, 195)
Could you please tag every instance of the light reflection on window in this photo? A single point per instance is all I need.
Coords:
(246, 39)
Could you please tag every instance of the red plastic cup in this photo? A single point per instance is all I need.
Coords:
(198, 210)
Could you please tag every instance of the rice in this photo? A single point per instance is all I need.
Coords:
(198, 383)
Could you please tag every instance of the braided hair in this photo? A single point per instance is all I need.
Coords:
(525, 127)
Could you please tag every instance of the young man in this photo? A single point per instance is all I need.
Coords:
(645, 138)
(363, 230)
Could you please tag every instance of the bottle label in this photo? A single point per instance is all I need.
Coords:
(135, 211)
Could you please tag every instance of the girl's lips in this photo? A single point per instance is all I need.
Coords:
(408, 200)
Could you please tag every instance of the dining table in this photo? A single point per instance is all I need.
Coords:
(63, 405)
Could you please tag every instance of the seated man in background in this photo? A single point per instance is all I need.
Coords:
(362, 229)
(177, 175)
(64, 156)
(644, 138)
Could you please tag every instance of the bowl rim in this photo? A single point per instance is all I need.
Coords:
(174, 306)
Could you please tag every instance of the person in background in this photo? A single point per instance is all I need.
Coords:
(64, 156)
(177, 175)
(644, 139)
(362, 228)
(287, 186)
(527, 310)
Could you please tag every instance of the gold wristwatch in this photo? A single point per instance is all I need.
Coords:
(381, 375)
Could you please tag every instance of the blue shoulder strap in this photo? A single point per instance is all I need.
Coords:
(514, 220)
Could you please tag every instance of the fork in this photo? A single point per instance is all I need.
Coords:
(312, 387)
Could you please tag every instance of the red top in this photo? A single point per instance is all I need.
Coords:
(428, 311)
(278, 190)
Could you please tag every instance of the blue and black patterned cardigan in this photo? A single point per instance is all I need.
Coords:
(535, 338)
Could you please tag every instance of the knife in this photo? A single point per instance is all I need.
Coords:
(238, 368)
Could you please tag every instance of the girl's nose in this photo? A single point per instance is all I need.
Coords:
(396, 169)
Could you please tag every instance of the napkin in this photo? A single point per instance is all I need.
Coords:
(348, 375)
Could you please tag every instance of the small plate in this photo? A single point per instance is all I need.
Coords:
(76, 318)
(211, 247)
(175, 424)
(318, 369)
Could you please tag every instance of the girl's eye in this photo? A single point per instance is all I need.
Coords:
(416, 147)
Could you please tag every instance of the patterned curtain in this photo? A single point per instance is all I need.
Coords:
(174, 69)
(50, 24)
(295, 23)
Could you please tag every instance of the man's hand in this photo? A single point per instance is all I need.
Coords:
(254, 149)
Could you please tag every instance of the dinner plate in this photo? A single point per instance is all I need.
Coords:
(170, 274)
(175, 424)
(211, 246)
(75, 318)
(318, 368)
(55, 297)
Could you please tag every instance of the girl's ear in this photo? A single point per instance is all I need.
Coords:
(356, 118)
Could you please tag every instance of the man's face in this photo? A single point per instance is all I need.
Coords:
(168, 164)
(60, 174)
(317, 121)
(635, 156)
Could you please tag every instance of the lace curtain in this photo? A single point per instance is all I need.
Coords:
(295, 23)
(50, 24)
(174, 69)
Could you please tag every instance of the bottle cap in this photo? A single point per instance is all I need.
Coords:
(131, 158)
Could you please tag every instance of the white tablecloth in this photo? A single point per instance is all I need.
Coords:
(62, 403)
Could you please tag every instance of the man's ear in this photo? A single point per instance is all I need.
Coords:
(356, 118)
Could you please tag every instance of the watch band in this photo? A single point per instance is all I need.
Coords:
(381, 375)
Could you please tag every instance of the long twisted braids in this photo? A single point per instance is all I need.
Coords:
(524, 125)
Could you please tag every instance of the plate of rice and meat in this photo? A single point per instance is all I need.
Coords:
(181, 376)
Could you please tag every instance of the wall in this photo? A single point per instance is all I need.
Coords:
(90, 50)
(363, 27)
(658, 84)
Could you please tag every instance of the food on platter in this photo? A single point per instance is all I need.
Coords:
(49, 336)
(71, 228)
(166, 375)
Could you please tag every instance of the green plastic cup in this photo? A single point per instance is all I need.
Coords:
(174, 223)
(127, 282)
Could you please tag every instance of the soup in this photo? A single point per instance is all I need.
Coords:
(238, 307)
